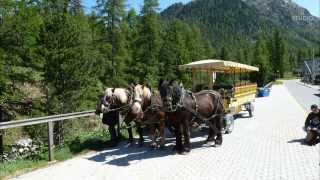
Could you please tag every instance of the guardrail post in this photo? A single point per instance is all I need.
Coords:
(1, 138)
(50, 141)
(1, 146)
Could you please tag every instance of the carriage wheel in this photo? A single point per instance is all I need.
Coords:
(229, 122)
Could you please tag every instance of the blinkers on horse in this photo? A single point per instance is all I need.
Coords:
(184, 107)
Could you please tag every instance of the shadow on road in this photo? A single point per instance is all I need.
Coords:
(124, 155)
(317, 95)
(302, 141)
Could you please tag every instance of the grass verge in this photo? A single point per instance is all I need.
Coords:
(74, 145)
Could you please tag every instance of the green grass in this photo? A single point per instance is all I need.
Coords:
(74, 145)
(19, 166)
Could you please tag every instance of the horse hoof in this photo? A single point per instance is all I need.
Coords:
(209, 143)
(187, 150)
(182, 152)
(217, 145)
(153, 146)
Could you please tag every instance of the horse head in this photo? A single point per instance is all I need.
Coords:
(141, 95)
(171, 93)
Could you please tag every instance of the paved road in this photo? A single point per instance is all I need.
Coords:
(305, 95)
(266, 147)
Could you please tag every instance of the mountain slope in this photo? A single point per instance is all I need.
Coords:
(233, 21)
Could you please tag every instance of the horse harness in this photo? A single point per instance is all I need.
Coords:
(195, 113)
(123, 110)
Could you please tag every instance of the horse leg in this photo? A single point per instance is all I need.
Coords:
(161, 132)
(130, 135)
(211, 135)
(219, 124)
(177, 131)
(212, 132)
(113, 134)
(152, 135)
(139, 131)
(186, 135)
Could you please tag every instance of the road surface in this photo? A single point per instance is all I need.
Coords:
(266, 147)
(306, 95)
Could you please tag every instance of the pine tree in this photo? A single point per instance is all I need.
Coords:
(71, 65)
(195, 43)
(75, 7)
(224, 55)
(147, 45)
(112, 13)
(261, 60)
(174, 50)
(279, 54)
(18, 33)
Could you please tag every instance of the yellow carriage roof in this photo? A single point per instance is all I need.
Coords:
(218, 66)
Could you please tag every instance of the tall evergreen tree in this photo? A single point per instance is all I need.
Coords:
(75, 7)
(112, 13)
(261, 60)
(224, 55)
(174, 50)
(279, 54)
(147, 45)
(196, 46)
(71, 67)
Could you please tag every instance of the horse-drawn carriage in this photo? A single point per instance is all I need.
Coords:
(237, 95)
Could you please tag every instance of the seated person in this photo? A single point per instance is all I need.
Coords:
(313, 117)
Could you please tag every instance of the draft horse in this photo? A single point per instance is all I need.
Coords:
(149, 105)
(184, 108)
(114, 102)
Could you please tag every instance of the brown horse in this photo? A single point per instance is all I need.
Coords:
(184, 108)
(149, 105)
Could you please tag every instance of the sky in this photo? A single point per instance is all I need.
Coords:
(312, 5)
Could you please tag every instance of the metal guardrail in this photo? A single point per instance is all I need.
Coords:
(47, 119)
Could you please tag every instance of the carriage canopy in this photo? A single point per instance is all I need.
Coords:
(215, 65)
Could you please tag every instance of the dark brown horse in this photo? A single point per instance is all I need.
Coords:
(184, 108)
(149, 105)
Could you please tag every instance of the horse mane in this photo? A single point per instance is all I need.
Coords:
(144, 90)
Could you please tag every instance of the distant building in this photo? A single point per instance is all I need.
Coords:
(310, 71)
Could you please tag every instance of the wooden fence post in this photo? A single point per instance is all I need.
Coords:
(50, 141)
